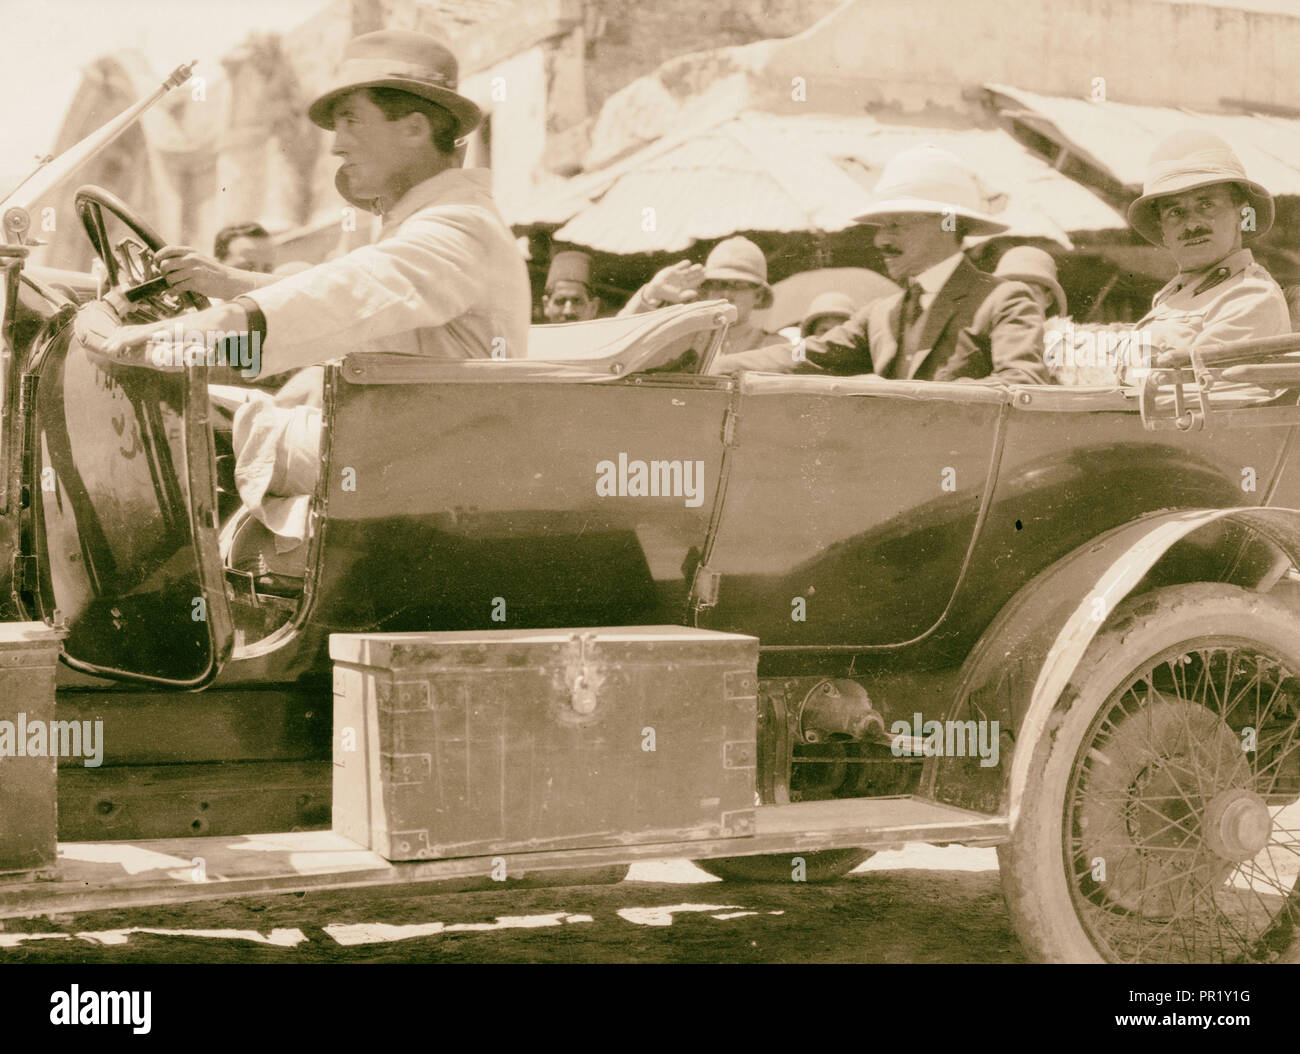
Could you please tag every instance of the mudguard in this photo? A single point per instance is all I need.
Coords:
(1018, 671)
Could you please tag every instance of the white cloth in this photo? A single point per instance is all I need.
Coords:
(445, 280)
(277, 464)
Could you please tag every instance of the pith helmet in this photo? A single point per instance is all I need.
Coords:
(930, 181)
(736, 260)
(1025, 263)
(1188, 160)
(826, 305)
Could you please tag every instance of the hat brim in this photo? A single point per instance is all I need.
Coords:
(731, 274)
(812, 320)
(464, 111)
(1143, 219)
(1058, 294)
(976, 222)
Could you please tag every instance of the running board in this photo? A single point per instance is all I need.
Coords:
(94, 876)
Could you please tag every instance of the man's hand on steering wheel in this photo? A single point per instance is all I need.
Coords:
(190, 271)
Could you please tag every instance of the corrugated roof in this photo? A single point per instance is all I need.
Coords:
(767, 172)
(1118, 137)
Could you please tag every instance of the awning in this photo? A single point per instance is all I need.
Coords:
(809, 173)
(1117, 137)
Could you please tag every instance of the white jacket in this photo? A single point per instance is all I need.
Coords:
(445, 280)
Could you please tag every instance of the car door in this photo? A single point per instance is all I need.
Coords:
(851, 509)
(122, 541)
(500, 495)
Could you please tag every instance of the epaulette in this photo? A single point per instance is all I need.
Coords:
(1219, 274)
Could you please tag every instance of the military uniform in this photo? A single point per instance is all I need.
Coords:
(1235, 299)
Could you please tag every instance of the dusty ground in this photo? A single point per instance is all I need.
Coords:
(922, 904)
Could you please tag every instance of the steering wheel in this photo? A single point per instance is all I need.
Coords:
(130, 264)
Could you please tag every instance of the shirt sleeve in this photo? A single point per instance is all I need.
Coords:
(432, 270)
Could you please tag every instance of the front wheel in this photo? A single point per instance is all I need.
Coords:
(1160, 821)
(825, 865)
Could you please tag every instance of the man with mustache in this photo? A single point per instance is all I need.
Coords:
(568, 289)
(951, 321)
(1197, 202)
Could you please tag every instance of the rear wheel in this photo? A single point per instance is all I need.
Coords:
(823, 866)
(1160, 822)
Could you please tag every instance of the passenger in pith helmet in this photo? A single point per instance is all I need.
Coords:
(1198, 203)
(1037, 269)
(735, 271)
(826, 311)
(568, 289)
(952, 321)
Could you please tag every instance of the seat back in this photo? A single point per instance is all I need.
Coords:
(653, 340)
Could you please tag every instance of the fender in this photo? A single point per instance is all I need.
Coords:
(1019, 669)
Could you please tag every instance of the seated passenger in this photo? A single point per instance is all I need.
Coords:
(735, 271)
(568, 289)
(1037, 269)
(1197, 203)
(826, 312)
(952, 321)
(446, 279)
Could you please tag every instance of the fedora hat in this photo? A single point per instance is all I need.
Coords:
(1188, 160)
(398, 58)
(1025, 263)
(833, 305)
(931, 181)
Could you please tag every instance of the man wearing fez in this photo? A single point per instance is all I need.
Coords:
(568, 289)
(446, 279)
(1196, 202)
(951, 321)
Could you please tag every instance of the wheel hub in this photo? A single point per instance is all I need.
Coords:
(1237, 824)
(1144, 823)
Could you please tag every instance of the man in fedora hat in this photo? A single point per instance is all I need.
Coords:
(735, 271)
(568, 289)
(951, 321)
(446, 279)
(1198, 203)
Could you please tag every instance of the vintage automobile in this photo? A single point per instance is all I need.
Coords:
(1094, 590)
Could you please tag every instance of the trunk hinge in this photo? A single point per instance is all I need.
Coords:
(705, 587)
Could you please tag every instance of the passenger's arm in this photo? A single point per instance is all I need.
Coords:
(1016, 335)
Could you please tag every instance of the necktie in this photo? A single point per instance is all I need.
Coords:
(909, 313)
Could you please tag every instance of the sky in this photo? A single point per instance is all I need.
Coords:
(46, 44)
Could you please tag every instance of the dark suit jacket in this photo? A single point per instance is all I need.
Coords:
(977, 326)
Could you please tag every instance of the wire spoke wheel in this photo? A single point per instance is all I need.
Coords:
(1180, 839)
(1161, 819)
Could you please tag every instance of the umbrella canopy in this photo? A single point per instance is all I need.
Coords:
(813, 173)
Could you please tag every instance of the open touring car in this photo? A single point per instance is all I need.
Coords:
(852, 612)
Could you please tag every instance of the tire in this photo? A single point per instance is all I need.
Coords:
(823, 866)
(1148, 827)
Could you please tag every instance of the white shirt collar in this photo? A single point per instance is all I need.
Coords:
(933, 278)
